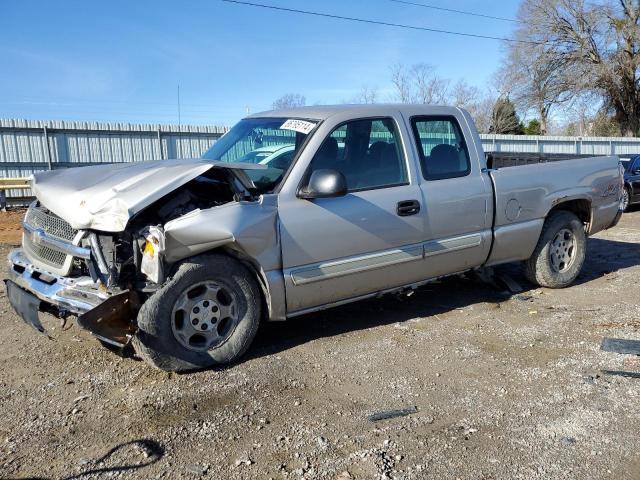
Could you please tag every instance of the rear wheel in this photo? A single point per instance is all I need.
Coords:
(625, 200)
(560, 252)
(206, 315)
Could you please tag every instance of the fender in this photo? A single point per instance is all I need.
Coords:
(245, 230)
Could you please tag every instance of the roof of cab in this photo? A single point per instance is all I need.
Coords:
(322, 112)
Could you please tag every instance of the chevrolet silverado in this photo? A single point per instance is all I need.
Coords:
(182, 259)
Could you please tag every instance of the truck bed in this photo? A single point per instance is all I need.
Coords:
(524, 196)
(516, 159)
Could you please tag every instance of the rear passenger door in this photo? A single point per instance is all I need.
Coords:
(458, 198)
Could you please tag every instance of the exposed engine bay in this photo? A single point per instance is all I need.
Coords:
(125, 253)
(211, 189)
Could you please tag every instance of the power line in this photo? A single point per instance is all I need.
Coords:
(452, 10)
(378, 22)
(108, 103)
(169, 114)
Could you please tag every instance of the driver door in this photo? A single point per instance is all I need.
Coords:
(335, 249)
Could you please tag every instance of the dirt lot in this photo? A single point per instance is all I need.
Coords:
(504, 388)
(11, 225)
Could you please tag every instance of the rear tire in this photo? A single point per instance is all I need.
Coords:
(559, 255)
(625, 202)
(207, 314)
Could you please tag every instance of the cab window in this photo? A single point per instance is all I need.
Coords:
(441, 147)
(366, 151)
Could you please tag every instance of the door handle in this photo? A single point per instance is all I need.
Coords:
(408, 207)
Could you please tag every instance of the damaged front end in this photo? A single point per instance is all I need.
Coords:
(66, 273)
(103, 277)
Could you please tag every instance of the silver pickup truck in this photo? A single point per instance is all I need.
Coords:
(292, 212)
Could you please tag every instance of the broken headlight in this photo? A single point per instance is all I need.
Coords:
(152, 253)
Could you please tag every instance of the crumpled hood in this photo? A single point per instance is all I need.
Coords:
(105, 197)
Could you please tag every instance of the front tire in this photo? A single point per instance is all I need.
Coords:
(559, 255)
(207, 314)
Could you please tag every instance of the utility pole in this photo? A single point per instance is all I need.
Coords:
(179, 119)
(178, 143)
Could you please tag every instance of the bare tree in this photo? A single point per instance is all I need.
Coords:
(418, 84)
(401, 83)
(536, 78)
(479, 104)
(596, 45)
(580, 112)
(464, 95)
(290, 100)
(482, 113)
(366, 94)
(429, 88)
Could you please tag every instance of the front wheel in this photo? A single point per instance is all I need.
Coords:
(560, 252)
(207, 314)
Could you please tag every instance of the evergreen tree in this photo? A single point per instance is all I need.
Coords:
(504, 119)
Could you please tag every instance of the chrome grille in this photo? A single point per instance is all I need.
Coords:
(36, 217)
(46, 255)
(55, 261)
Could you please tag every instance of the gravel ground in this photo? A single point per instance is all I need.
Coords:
(503, 387)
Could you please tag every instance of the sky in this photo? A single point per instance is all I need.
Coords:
(125, 61)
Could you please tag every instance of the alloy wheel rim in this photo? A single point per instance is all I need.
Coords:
(562, 251)
(204, 316)
(624, 202)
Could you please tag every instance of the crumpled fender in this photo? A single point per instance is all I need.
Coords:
(249, 226)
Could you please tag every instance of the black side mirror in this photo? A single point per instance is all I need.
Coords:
(324, 183)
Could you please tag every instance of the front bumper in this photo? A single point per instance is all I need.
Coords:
(107, 316)
(616, 219)
(75, 295)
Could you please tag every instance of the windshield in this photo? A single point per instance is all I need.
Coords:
(625, 164)
(273, 142)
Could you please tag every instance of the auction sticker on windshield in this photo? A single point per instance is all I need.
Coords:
(301, 126)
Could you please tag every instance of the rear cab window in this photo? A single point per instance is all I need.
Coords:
(441, 147)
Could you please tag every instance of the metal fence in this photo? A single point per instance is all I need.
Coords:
(596, 146)
(30, 146)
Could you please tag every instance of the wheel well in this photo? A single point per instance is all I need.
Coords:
(255, 270)
(581, 208)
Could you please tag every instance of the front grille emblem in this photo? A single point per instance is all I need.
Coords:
(37, 237)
